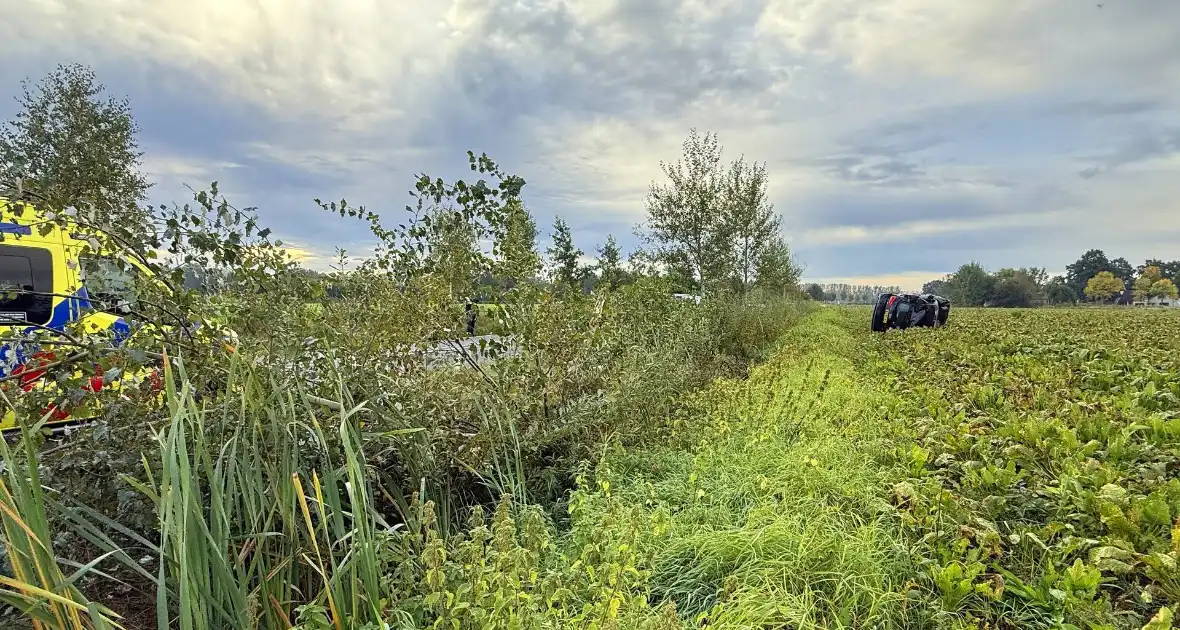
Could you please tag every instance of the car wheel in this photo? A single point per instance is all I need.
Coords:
(944, 312)
(878, 323)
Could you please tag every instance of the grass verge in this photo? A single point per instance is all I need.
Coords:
(771, 511)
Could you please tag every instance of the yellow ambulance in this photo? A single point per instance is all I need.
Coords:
(54, 287)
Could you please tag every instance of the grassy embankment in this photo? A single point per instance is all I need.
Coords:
(773, 512)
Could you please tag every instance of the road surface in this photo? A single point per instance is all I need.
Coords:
(450, 352)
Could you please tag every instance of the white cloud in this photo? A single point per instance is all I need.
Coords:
(174, 171)
(909, 230)
(1000, 46)
(358, 62)
(908, 281)
(584, 98)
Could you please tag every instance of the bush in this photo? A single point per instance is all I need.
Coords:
(330, 468)
(747, 329)
(279, 451)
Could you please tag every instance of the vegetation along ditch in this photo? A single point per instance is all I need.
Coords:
(681, 439)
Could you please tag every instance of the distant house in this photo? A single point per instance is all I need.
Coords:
(1158, 301)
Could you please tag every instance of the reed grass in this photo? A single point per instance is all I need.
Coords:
(264, 509)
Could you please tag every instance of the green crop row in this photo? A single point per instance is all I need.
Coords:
(1042, 471)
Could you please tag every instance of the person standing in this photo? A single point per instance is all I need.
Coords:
(469, 311)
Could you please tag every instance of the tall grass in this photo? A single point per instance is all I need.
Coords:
(264, 510)
(775, 511)
(38, 586)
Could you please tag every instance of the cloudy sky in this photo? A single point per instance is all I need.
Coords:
(903, 137)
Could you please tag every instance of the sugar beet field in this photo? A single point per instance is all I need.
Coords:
(1041, 477)
(1014, 469)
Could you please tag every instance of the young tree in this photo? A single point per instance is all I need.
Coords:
(686, 216)
(1103, 286)
(516, 245)
(563, 256)
(1147, 277)
(1163, 288)
(452, 252)
(75, 146)
(777, 272)
(750, 219)
(610, 267)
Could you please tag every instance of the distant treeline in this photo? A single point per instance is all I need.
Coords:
(1092, 277)
(848, 293)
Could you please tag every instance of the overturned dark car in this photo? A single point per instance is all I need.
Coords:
(910, 310)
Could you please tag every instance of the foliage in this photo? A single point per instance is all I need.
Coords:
(517, 417)
(274, 520)
(766, 501)
(1163, 288)
(1122, 269)
(1090, 264)
(453, 252)
(1058, 291)
(686, 217)
(815, 292)
(1039, 478)
(609, 267)
(1031, 286)
(936, 287)
(75, 147)
(209, 234)
(855, 293)
(1017, 287)
(1147, 277)
(1015, 475)
(517, 259)
(1167, 269)
(971, 285)
(442, 225)
(37, 586)
(753, 226)
(777, 273)
(745, 331)
(713, 223)
(333, 471)
(564, 257)
(1103, 286)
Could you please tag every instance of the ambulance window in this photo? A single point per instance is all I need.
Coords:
(26, 285)
(108, 281)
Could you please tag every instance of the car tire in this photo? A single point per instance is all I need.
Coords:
(879, 312)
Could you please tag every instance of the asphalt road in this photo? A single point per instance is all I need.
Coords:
(451, 352)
